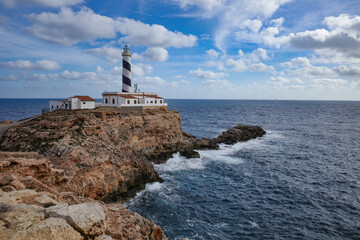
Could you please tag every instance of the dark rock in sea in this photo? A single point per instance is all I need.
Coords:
(240, 133)
(189, 153)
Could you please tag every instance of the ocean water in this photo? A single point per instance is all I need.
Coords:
(300, 181)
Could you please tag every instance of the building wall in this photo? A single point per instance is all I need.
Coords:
(72, 103)
(118, 101)
(86, 104)
(53, 105)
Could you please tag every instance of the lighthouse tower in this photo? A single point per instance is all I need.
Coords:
(126, 76)
(127, 99)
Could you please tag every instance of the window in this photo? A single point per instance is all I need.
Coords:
(57, 107)
(83, 103)
(128, 101)
(113, 100)
(155, 101)
(160, 101)
(106, 100)
(151, 101)
(52, 106)
(134, 101)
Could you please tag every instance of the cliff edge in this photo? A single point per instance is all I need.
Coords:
(101, 150)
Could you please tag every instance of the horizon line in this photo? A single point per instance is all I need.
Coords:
(227, 99)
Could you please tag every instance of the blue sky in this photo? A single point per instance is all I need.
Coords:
(226, 49)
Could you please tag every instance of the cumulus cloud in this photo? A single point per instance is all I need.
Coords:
(212, 53)
(154, 82)
(69, 27)
(285, 80)
(218, 64)
(199, 73)
(253, 25)
(250, 61)
(138, 33)
(238, 65)
(230, 21)
(339, 42)
(41, 3)
(28, 65)
(252, 31)
(152, 54)
(141, 69)
(352, 70)
(260, 67)
(302, 67)
(297, 62)
(259, 54)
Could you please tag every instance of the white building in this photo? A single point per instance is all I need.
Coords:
(132, 99)
(75, 102)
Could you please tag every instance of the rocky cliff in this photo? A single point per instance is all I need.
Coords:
(100, 151)
(73, 159)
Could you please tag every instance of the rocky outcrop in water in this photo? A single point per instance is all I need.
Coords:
(190, 143)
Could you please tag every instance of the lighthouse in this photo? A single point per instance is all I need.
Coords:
(127, 99)
(126, 76)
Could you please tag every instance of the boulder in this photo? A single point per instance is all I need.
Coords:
(49, 229)
(87, 218)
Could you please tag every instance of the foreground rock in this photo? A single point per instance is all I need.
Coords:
(22, 217)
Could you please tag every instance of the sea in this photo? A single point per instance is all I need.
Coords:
(300, 181)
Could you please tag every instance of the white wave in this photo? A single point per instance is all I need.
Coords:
(155, 186)
(178, 163)
(254, 224)
(222, 155)
(225, 154)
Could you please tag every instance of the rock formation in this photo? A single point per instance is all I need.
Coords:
(100, 151)
(73, 159)
(24, 216)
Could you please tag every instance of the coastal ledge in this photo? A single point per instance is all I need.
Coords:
(99, 155)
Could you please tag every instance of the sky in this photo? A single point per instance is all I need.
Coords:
(187, 49)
